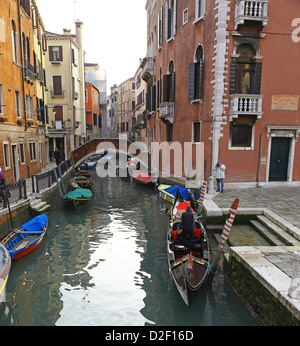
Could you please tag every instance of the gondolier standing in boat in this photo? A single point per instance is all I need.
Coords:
(187, 219)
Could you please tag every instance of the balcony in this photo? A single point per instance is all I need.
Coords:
(147, 69)
(241, 104)
(251, 10)
(29, 72)
(166, 112)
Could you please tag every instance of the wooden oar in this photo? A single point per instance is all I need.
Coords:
(224, 237)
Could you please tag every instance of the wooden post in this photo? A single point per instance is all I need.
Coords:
(202, 195)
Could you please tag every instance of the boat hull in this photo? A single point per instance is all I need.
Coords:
(5, 264)
(28, 249)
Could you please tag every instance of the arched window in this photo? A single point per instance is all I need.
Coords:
(196, 73)
(169, 84)
(245, 69)
(14, 41)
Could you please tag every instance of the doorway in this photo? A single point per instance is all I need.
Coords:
(279, 160)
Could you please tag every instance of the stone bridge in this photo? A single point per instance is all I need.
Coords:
(100, 146)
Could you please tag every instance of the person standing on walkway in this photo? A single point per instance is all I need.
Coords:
(220, 175)
(57, 156)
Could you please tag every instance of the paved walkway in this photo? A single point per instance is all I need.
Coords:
(283, 201)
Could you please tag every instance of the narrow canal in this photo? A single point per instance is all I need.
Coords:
(106, 264)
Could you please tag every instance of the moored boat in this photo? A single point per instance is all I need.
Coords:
(88, 165)
(82, 182)
(144, 178)
(169, 192)
(189, 268)
(78, 197)
(5, 263)
(83, 173)
(27, 237)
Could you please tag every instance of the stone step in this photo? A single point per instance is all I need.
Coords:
(266, 234)
(282, 235)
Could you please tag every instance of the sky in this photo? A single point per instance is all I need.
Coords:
(114, 32)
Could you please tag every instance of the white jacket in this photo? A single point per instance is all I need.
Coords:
(220, 172)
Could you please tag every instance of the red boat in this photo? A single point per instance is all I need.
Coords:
(144, 178)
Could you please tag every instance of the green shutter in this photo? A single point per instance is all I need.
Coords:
(191, 81)
(256, 80)
(166, 88)
(233, 76)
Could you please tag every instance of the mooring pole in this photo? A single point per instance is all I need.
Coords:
(224, 237)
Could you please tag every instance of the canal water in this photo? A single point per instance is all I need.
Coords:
(106, 265)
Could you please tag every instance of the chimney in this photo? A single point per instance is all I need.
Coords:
(67, 32)
(79, 24)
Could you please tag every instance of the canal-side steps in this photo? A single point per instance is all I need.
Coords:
(39, 207)
(275, 234)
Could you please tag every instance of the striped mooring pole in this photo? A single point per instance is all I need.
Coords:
(225, 235)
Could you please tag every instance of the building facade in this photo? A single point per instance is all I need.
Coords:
(23, 122)
(92, 106)
(66, 90)
(213, 80)
(126, 108)
(112, 112)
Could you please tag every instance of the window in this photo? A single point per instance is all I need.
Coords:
(196, 74)
(241, 135)
(32, 151)
(169, 132)
(55, 53)
(245, 75)
(160, 28)
(1, 100)
(95, 119)
(170, 19)
(57, 86)
(185, 16)
(14, 42)
(29, 107)
(200, 9)
(6, 154)
(22, 153)
(18, 103)
(169, 84)
(41, 151)
(196, 132)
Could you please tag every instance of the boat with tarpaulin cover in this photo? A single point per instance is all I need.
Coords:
(169, 193)
(189, 268)
(78, 197)
(5, 263)
(27, 237)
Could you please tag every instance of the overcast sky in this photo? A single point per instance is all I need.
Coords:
(114, 32)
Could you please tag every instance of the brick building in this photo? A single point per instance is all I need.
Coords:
(215, 80)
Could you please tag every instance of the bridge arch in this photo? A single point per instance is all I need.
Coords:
(98, 146)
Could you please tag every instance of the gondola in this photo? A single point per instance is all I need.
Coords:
(88, 165)
(5, 263)
(82, 182)
(26, 238)
(78, 197)
(189, 269)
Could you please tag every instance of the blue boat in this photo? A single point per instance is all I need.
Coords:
(169, 193)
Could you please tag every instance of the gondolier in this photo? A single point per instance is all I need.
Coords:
(187, 219)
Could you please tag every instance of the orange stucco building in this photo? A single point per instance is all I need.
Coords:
(92, 108)
(22, 119)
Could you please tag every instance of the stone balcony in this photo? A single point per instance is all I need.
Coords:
(241, 104)
(251, 10)
(166, 112)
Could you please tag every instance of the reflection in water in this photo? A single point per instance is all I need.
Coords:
(106, 264)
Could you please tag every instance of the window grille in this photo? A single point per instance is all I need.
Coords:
(241, 135)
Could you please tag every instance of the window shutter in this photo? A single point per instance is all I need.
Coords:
(166, 20)
(60, 53)
(174, 17)
(153, 104)
(233, 76)
(201, 78)
(191, 81)
(158, 93)
(166, 88)
(256, 80)
(51, 53)
(172, 99)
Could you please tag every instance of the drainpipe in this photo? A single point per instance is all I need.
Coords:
(22, 64)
